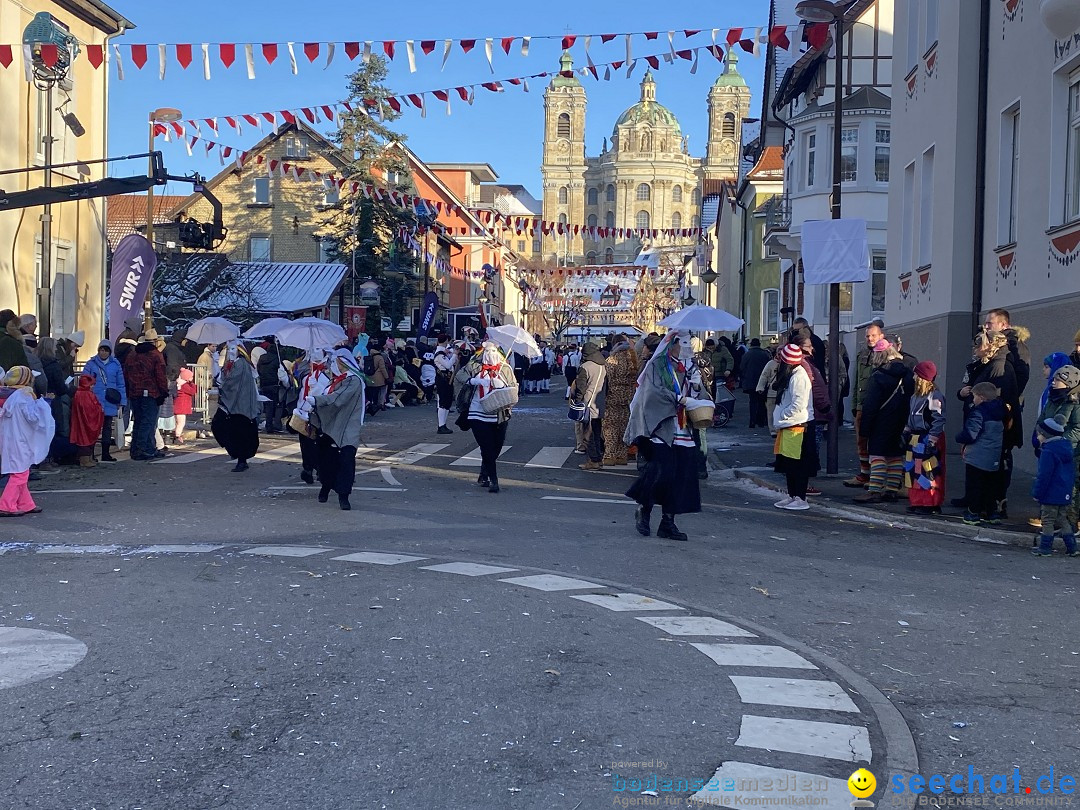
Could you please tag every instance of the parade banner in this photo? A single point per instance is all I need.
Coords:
(427, 314)
(355, 321)
(133, 264)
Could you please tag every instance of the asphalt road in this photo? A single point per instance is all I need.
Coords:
(975, 644)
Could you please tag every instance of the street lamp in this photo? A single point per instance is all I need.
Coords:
(824, 11)
(162, 115)
(709, 276)
(689, 300)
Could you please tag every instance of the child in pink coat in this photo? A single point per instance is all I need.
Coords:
(184, 402)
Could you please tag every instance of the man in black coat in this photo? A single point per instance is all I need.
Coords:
(753, 363)
(997, 320)
(271, 388)
(820, 357)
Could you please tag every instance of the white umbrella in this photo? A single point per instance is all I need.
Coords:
(267, 327)
(310, 334)
(213, 330)
(512, 338)
(702, 318)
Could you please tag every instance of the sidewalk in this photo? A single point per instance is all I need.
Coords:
(749, 452)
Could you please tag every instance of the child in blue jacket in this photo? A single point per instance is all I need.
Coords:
(1053, 486)
(982, 437)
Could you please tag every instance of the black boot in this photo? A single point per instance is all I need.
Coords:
(307, 477)
(343, 502)
(324, 494)
(483, 480)
(241, 466)
(493, 484)
(641, 521)
(669, 530)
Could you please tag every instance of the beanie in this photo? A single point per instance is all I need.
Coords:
(927, 370)
(1054, 426)
(1070, 375)
(882, 345)
(791, 354)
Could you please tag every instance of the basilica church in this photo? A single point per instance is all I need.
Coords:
(644, 177)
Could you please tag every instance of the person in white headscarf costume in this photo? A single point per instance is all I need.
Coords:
(489, 372)
(312, 384)
(338, 414)
(26, 432)
(235, 425)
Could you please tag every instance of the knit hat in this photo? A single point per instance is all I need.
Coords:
(105, 344)
(882, 345)
(1070, 375)
(78, 338)
(927, 370)
(1054, 426)
(791, 354)
(19, 377)
(187, 375)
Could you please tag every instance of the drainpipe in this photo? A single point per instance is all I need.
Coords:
(980, 170)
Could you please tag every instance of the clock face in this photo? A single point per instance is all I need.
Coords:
(564, 146)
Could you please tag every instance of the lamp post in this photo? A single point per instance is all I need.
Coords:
(162, 115)
(825, 11)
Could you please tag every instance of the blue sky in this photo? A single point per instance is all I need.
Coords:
(503, 129)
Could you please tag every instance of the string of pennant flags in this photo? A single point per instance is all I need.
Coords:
(252, 54)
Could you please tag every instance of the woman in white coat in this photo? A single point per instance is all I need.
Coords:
(26, 431)
(796, 443)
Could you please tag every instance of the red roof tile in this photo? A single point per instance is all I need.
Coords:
(771, 162)
(127, 212)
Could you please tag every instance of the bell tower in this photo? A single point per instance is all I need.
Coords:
(563, 164)
(729, 104)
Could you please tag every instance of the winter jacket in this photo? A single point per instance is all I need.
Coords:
(380, 377)
(268, 367)
(174, 359)
(184, 401)
(820, 392)
(863, 370)
(1019, 356)
(999, 371)
(767, 378)
(144, 370)
(54, 373)
(590, 385)
(984, 435)
(926, 415)
(753, 363)
(1057, 473)
(1069, 408)
(722, 361)
(886, 408)
(795, 405)
(621, 372)
(109, 374)
(12, 351)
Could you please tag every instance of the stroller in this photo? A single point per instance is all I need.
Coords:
(725, 406)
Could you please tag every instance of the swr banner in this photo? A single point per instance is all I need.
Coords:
(133, 264)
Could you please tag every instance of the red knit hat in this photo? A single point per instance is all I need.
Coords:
(791, 354)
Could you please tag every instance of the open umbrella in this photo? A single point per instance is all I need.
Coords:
(212, 330)
(310, 334)
(267, 327)
(702, 318)
(513, 339)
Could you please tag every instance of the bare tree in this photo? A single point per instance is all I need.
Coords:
(187, 287)
(547, 294)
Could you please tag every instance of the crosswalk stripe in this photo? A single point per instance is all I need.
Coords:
(811, 737)
(472, 458)
(416, 453)
(802, 694)
(369, 449)
(551, 458)
(753, 655)
(276, 454)
(195, 455)
(762, 787)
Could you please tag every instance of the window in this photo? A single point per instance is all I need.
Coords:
(907, 245)
(676, 194)
(296, 147)
(770, 312)
(845, 297)
(562, 129)
(609, 256)
(926, 209)
(877, 282)
(326, 247)
(930, 34)
(1072, 177)
(562, 219)
(259, 249)
(913, 34)
(676, 221)
(592, 221)
(536, 246)
(882, 143)
(331, 194)
(644, 192)
(590, 257)
(811, 160)
(727, 126)
(641, 221)
(393, 178)
(849, 154)
(609, 195)
(697, 196)
(1008, 199)
(594, 195)
(521, 246)
(609, 219)
(564, 195)
(260, 194)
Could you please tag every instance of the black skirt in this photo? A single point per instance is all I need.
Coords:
(808, 462)
(237, 434)
(669, 479)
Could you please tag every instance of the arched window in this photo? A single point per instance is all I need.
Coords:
(676, 221)
(609, 196)
(644, 192)
(727, 127)
(676, 194)
(697, 196)
(590, 257)
(564, 195)
(592, 220)
(646, 142)
(609, 219)
(562, 130)
(562, 219)
(641, 221)
(609, 256)
(594, 195)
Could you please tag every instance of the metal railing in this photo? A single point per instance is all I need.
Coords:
(777, 213)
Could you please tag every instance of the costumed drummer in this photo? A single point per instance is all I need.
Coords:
(26, 431)
(338, 415)
(234, 426)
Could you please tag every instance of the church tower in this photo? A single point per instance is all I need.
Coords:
(563, 166)
(729, 104)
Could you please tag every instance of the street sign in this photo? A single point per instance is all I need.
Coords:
(385, 324)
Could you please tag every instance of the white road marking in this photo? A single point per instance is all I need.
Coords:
(276, 454)
(377, 558)
(802, 694)
(387, 474)
(586, 500)
(194, 548)
(70, 491)
(32, 655)
(753, 655)
(310, 488)
(811, 737)
(368, 449)
(695, 626)
(194, 455)
(78, 550)
(417, 452)
(551, 582)
(771, 788)
(625, 601)
(472, 458)
(285, 551)
(551, 458)
(467, 569)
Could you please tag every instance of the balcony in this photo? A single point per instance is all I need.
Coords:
(777, 211)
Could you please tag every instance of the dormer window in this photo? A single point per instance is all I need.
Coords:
(296, 146)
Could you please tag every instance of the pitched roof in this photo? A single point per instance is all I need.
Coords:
(279, 287)
(770, 166)
(126, 213)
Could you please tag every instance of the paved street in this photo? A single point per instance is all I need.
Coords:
(244, 648)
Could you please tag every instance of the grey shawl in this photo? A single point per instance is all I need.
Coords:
(238, 394)
(340, 413)
(653, 408)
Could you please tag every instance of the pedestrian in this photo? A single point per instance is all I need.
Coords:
(87, 419)
(767, 392)
(722, 363)
(571, 362)
(1074, 356)
(803, 338)
(753, 363)
(699, 387)
(184, 402)
(26, 433)
(339, 416)
(590, 385)
(983, 438)
(312, 384)
(875, 331)
(175, 357)
(658, 424)
(998, 320)
(1051, 364)
(235, 426)
(1063, 401)
(110, 390)
(796, 440)
(270, 370)
(819, 358)
(68, 351)
(1054, 487)
(446, 363)
(621, 371)
(924, 443)
(492, 378)
(12, 348)
(378, 377)
(147, 390)
(885, 409)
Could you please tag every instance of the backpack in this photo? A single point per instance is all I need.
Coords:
(369, 366)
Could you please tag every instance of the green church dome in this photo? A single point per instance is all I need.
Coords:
(648, 110)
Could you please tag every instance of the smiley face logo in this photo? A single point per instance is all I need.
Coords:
(862, 784)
